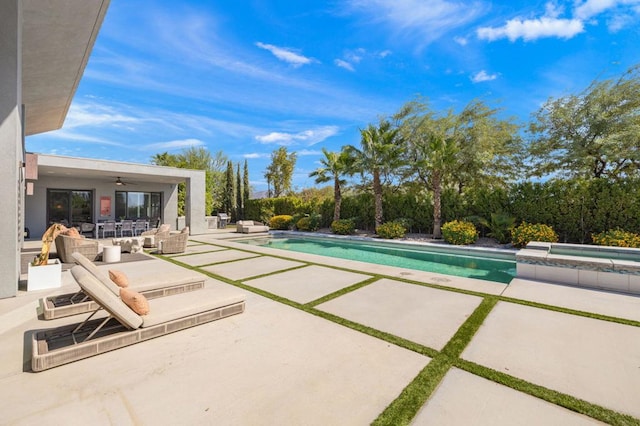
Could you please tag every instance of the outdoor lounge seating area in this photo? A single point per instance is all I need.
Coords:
(123, 326)
(250, 227)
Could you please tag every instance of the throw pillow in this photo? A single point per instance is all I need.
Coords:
(119, 278)
(136, 301)
(185, 230)
(165, 227)
(72, 232)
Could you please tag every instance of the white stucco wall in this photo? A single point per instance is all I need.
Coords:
(11, 145)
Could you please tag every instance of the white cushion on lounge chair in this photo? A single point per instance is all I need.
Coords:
(183, 305)
(105, 298)
(101, 275)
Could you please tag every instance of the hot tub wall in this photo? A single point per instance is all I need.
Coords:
(591, 266)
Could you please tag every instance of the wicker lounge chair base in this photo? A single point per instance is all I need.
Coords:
(62, 345)
(65, 305)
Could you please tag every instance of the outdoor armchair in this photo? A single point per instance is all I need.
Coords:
(66, 245)
(175, 243)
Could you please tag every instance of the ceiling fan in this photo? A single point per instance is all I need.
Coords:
(120, 182)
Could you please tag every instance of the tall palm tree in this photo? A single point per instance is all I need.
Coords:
(335, 165)
(380, 153)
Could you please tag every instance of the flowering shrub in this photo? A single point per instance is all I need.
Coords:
(391, 230)
(281, 222)
(527, 232)
(459, 232)
(616, 237)
(309, 223)
(343, 226)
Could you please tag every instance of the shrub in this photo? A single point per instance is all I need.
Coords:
(527, 232)
(500, 227)
(391, 230)
(617, 237)
(459, 232)
(309, 223)
(343, 226)
(282, 222)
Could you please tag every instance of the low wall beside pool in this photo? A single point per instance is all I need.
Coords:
(609, 268)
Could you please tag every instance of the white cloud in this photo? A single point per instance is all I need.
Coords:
(173, 145)
(418, 19)
(532, 29)
(285, 55)
(344, 64)
(355, 56)
(308, 152)
(384, 53)
(306, 137)
(257, 155)
(81, 115)
(483, 76)
(590, 8)
(462, 41)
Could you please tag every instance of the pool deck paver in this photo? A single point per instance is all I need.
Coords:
(466, 399)
(253, 267)
(307, 284)
(424, 315)
(218, 256)
(578, 298)
(595, 360)
(196, 248)
(275, 364)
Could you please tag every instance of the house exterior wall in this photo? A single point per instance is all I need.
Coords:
(36, 204)
(11, 145)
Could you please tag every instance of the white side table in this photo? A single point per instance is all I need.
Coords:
(111, 254)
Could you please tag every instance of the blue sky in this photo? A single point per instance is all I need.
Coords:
(248, 77)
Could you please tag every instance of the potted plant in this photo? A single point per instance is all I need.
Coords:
(44, 272)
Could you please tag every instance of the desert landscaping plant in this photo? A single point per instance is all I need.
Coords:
(527, 232)
(459, 232)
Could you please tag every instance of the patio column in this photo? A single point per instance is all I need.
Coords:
(11, 145)
(195, 203)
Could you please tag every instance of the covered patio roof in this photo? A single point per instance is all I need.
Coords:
(57, 38)
(109, 171)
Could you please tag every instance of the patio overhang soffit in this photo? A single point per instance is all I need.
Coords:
(57, 39)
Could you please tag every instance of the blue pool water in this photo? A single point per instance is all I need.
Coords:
(481, 266)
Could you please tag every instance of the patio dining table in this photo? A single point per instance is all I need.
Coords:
(100, 225)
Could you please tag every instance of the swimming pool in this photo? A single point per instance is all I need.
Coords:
(484, 265)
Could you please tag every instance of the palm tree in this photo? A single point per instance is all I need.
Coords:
(334, 166)
(380, 154)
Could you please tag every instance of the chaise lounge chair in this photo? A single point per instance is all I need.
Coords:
(79, 303)
(123, 327)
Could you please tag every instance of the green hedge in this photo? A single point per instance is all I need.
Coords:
(575, 209)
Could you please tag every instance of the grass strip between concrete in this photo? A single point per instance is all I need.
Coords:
(412, 398)
(404, 408)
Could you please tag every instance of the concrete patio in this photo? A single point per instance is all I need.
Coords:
(311, 349)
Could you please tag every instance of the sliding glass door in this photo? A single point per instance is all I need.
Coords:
(138, 205)
(69, 207)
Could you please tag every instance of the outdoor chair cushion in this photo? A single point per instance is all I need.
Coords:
(135, 301)
(119, 278)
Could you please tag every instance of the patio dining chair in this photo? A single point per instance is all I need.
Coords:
(109, 227)
(126, 226)
(140, 227)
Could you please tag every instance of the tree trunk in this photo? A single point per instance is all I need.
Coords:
(377, 193)
(437, 208)
(337, 196)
